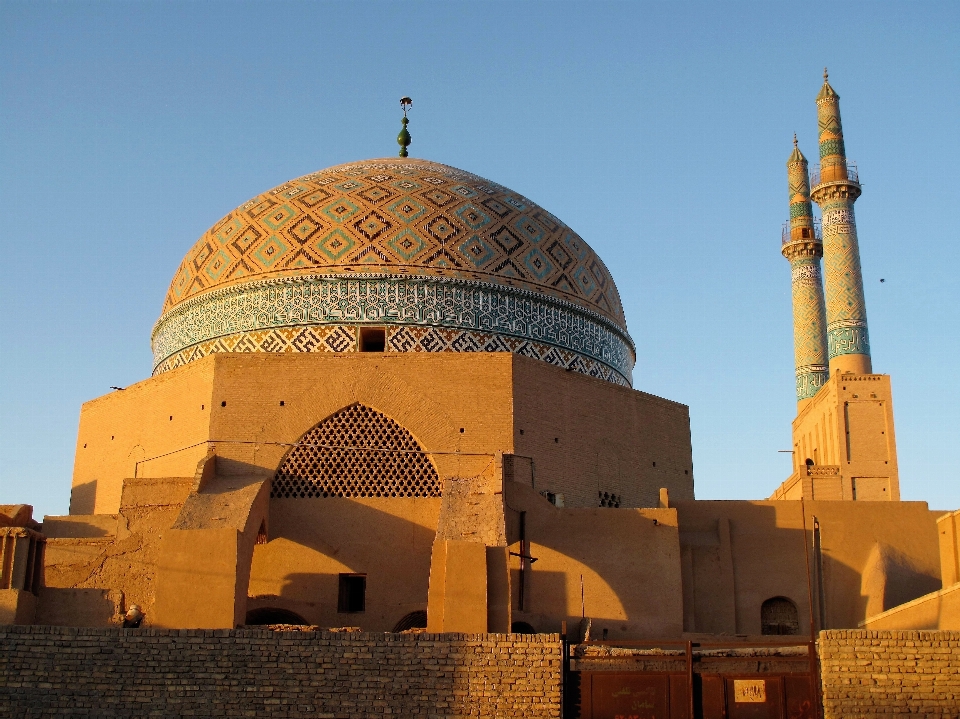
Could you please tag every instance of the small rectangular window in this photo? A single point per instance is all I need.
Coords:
(353, 590)
(373, 339)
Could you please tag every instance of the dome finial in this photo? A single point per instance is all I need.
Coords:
(403, 139)
(794, 140)
(825, 76)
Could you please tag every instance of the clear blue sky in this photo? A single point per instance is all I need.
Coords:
(659, 131)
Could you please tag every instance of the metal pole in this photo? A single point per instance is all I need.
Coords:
(814, 684)
(523, 556)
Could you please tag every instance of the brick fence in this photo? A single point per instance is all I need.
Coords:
(68, 672)
(880, 673)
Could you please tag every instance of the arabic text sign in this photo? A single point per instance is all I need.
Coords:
(750, 691)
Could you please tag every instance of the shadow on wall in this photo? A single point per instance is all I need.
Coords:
(891, 578)
(628, 558)
(736, 555)
(79, 607)
(312, 542)
(83, 498)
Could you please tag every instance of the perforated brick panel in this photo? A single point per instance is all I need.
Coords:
(357, 452)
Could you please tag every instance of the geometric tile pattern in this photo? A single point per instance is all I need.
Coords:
(809, 328)
(310, 313)
(804, 249)
(357, 452)
(398, 216)
(341, 338)
(845, 305)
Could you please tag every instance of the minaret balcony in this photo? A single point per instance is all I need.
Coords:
(804, 234)
(839, 172)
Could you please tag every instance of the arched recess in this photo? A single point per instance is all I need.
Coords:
(778, 615)
(522, 628)
(413, 620)
(356, 452)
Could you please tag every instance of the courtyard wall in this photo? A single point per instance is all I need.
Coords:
(882, 673)
(71, 672)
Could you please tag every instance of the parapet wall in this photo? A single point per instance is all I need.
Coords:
(59, 671)
(879, 673)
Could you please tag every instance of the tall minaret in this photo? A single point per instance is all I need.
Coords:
(804, 249)
(835, 190)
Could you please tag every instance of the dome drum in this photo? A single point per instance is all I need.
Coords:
(324, 313)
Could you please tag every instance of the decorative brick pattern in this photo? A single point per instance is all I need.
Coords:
(357, 452)
(883, 673)
(67, 672)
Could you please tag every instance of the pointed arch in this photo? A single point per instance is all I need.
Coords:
(356, 452)
(779, 615)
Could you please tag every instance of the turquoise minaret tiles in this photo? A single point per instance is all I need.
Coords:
(803, 248)
(836, 188)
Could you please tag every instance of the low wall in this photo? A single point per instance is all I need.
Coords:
(878, 673)
(60, 671)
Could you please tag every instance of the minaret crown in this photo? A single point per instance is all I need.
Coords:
(796, 156)
(827, 92)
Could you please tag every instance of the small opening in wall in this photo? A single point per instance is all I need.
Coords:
(171, 417)
(84, 446)
(272, 615)
(806, 232)
(461, 430)
(779, 615)
(654, 464)
(111, 436)
(521, 431)
(223, 404)
(202, 406)
(353, 590)
(413, 620)
(262, 533)
(557, 440)
(281, 403)
(522, 628)
(373, 339)
(686, 471)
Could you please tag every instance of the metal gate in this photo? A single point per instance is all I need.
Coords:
(684, 680)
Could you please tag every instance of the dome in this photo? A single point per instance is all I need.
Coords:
(437, 258)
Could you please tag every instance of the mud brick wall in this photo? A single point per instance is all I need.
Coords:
(70, 672)
(883, 673)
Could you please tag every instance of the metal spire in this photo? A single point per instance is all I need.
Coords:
(403, 139)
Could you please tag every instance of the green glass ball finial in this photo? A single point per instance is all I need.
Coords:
(403, 139)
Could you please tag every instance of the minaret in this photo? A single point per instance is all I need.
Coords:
(835, 188)
(803, 248)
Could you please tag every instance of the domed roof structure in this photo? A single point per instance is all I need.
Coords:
(440, 259)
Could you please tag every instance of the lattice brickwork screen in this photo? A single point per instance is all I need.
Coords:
(358, 452)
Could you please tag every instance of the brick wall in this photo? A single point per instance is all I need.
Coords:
(879, 673)
(59, 671)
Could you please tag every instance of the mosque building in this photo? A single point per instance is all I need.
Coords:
(393, 395)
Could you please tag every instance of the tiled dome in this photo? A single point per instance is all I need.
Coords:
(398, 216)
(416, 222)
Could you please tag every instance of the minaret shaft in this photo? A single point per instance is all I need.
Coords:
(803, 249)
(835, 191)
